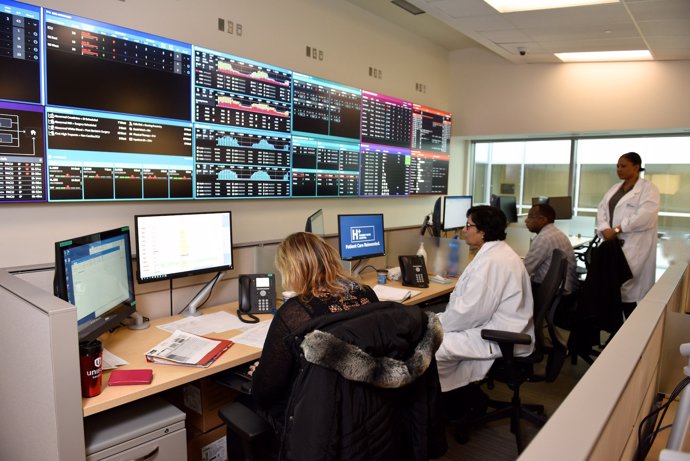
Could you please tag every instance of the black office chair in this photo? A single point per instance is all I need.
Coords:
(359, 394)
(585, 257)
(514, 371)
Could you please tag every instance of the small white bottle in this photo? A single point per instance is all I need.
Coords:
(422, 252)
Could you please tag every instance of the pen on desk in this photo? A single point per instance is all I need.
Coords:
(407, 296)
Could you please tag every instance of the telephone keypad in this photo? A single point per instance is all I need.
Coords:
(263, 304)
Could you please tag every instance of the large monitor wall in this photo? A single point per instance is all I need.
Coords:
(91, 111)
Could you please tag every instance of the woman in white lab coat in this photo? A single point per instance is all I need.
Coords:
(629, 211)
(493, 292)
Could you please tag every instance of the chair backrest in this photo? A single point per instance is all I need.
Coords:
(548, 294)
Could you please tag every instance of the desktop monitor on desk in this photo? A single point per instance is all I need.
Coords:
(563, 206)
(455, 211)
(360, 236)
(507, 203)
(94, 272)
(184, 244)
(315, 223)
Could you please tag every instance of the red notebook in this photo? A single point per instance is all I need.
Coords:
(127, 377)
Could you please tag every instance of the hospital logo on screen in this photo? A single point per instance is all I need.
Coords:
(362, 234)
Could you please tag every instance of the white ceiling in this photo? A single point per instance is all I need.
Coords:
(662, 26)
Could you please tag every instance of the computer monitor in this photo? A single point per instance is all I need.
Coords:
(182, 244)
(563, 206)
(507, 203)
(360, 236)
(315, 223)
(94, 272)
(455, 211)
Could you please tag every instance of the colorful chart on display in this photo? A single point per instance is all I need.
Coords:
(92, 111)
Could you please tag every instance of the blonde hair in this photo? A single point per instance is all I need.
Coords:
(310, 267)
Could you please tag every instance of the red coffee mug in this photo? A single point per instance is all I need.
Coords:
(90, 366)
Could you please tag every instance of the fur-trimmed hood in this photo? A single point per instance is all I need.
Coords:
(352, 363)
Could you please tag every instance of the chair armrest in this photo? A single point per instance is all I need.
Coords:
(506, 341)
(243, 421)
(501, 336)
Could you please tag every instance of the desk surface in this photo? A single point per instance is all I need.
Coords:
(131, 346)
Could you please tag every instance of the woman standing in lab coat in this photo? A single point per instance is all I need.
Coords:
(629, 212)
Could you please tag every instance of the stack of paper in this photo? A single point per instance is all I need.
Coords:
(183, 348)
(386, 293)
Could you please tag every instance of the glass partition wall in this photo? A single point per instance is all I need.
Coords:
(584, 168)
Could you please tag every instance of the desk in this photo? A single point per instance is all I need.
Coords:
(131, 346)
(435, 290)
(579, 242)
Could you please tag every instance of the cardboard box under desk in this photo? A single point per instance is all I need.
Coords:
(207, 446)
(200, 400)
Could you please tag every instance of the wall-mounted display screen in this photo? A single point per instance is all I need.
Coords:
(22, 153)
(20, 57)
(92, 111)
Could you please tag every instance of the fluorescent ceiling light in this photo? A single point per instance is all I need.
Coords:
(510, 6)
(597, 56)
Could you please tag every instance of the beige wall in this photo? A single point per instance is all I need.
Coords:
(491, 97)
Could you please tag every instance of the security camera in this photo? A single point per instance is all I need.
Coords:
(522, 51)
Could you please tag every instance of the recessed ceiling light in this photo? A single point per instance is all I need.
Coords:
(510, 6)
(598, 56)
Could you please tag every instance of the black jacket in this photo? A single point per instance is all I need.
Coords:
(367, 388)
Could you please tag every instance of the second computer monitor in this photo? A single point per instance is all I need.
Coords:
(182, 244)
(455, 211)
(360, 236)
(563, 206)
(507, 204)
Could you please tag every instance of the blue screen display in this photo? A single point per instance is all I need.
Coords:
(360, 236)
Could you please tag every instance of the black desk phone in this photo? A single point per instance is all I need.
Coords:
(413, 271)
(257, 293)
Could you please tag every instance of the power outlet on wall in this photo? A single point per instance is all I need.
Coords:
(315, 53)
(420, 87)
(233, 28)
(375, 73)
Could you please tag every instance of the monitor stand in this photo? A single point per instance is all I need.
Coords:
(355, 267)
(192, 309)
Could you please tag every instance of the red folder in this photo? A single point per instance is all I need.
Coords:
(127, 377)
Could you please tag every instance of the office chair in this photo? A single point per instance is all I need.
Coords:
(367, 389)
(586, 256)
(514, 371)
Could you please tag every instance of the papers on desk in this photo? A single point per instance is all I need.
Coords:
(254, 336)
(183, 348)
(205, 324)
(386, 293)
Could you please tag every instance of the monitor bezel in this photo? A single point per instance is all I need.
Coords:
(113, 317)
(341, 241)
(186, 273)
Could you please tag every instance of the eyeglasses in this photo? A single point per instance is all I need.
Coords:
(468, 225)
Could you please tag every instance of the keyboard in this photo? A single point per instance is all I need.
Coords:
(236, 378)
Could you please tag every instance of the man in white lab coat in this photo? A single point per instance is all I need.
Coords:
(493, 292)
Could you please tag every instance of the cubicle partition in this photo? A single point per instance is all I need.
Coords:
(600, 417)
(39, 384)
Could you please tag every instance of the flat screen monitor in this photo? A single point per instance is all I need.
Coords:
(507, 203)
(315, 223)
(94, 272)
(455, 211)
(182, 244)
(360, 236)
(563, 206)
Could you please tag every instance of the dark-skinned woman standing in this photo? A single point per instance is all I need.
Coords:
(629, 212)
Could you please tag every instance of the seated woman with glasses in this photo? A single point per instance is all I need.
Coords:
(493, 292)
